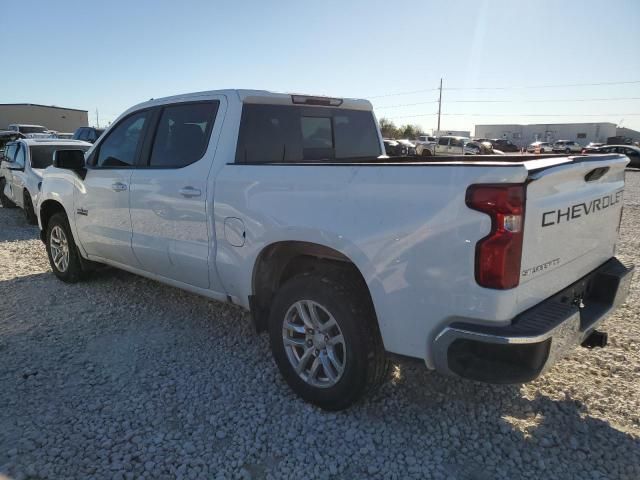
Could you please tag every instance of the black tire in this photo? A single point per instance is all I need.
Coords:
(4, 200)
(366, 366)
(426, 152)
(74, 272)
(567, 151)
(29, 212)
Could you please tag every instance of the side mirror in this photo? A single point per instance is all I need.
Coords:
(68, 159)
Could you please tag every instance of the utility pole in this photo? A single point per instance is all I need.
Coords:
(439, 105)
(97, 119)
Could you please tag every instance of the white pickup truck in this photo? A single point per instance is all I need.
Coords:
(285, 205)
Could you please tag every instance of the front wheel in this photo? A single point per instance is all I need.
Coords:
(325, 340)
(62, 251)
(567, 151)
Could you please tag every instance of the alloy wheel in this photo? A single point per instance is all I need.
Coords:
(314, 344)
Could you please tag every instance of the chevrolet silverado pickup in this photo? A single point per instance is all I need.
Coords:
(486, 268)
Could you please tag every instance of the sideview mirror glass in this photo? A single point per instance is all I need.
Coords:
(68, 159)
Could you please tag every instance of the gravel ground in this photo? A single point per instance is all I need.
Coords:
(121, 377)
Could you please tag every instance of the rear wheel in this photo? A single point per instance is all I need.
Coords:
(62, 251)
(29, 213)
(4, 200)
(567, 151)
(325, 340)
(426, 152)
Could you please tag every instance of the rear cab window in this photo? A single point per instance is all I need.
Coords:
(283, 133)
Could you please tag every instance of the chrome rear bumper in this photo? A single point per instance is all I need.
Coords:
(536, 338)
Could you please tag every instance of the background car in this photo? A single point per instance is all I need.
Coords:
(567, 146)
(22, 167)
(65, 136)
(545, 147)
(504, 145)
(475, 147)
(630, 151)
(410, 146)
(450, 145)
(88, 134)
(425, 145)
(393, 148)
(30, 131)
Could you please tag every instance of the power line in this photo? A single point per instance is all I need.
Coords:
(406, 104)
(546, 86)
(404, 93)
(522, 87)
(515, 115)
(550, 100)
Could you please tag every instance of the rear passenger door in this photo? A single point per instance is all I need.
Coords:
(172, 228)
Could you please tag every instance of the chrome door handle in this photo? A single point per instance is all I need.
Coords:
(118, 187)
(190, 192)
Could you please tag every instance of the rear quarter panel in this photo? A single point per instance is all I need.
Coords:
(405, 227)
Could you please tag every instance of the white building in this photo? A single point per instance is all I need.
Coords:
(454, 133)
(523, 135)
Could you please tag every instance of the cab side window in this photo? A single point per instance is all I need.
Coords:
(443, 141)
(120, 149)
(182, 135)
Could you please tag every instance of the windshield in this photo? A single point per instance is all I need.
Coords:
(42, 155)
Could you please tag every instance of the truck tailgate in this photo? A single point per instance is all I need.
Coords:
(571, 223)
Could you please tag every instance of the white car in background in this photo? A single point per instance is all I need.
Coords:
(22, 167)
(31, 131)
(567, 146)
(425, 145)
(451, 145)
(545, 147)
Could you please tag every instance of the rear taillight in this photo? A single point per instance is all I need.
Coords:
(498, 255)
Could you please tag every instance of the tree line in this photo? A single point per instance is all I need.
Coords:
(389, 130)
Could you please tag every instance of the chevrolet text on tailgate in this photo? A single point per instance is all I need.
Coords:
(285, 205)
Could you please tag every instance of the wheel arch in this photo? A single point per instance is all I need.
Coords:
(279, 261)
(47, 209)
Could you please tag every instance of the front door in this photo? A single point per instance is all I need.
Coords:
(172, 234)
(102, 201)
